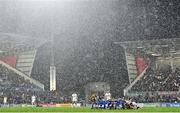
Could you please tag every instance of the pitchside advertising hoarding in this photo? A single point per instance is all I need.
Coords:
(159, 104)
(89, 105)
(170, 104)
(150, 105)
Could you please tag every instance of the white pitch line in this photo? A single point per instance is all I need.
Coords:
(90, 112)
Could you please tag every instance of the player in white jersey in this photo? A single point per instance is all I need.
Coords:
(131, 104)
(74, 99)
(135, 105)
(5, 100)
(107, 96)
(33, 100)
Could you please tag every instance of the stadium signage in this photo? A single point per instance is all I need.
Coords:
(159, 104)
(151, 105)
(170, 105)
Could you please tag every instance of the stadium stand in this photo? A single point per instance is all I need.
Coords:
(153, 70)
(158, 80)
(12, 81)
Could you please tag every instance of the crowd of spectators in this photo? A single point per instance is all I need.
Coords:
(158, 80)
(18, 90)
(9, 80)
(25, 97)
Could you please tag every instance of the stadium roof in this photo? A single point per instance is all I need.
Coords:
(153, 47)
(10, 42)
(158, 42)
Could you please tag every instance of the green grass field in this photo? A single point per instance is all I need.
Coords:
(82, 110)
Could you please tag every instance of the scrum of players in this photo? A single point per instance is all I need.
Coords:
(105, 102)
